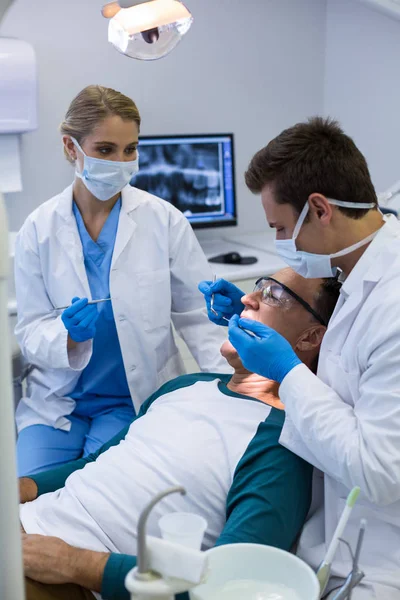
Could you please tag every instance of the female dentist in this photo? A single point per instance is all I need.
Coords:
(317, 193)
(101, 238)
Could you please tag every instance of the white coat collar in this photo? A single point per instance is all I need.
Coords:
(373, 262)
(69, 236)
(69, 239)
(367, 272)
(131, 198)
(126, 225)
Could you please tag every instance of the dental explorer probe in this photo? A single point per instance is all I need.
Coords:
(88, 304)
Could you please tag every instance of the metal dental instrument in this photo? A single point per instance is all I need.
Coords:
(356, 575)
(250, 333)
(345, 591)
(356, 560)
(89, 303)
(212, 302)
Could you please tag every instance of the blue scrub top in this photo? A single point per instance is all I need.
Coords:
(103, 382)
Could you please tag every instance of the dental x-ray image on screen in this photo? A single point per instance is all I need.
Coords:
(194, 173)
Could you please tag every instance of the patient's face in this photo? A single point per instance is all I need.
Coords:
(290, 321)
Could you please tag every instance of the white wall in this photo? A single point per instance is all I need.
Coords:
(248, 66)
(362, 83)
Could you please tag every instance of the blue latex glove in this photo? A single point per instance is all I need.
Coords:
(80, 319)
(227, 300)
(270, 356)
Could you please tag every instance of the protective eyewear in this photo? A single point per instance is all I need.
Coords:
(277, 294)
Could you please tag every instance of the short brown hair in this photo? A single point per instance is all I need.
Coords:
(313, 157)
(324, 303)
(91, 106)
(326, 298)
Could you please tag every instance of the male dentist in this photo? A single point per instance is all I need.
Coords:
(317, 194)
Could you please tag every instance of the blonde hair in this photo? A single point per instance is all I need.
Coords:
(91, 106)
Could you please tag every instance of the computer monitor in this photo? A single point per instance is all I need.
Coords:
(193, 172)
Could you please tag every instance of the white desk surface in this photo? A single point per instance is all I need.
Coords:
(259, 245)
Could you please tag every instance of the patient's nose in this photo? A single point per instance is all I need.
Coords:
(252, 301)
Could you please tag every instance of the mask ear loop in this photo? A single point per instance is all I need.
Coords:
(77, 145)
(355, 246)
(300, 221)
(342, 203)
(345, 204)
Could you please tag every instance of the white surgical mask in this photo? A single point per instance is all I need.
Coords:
(105, 178)
(312, 265)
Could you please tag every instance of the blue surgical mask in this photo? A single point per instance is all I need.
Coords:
(311, 265)
(105, 178)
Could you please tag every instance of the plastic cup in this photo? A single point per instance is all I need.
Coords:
(186, 529)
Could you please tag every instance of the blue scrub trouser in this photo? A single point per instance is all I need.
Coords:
(41, 447)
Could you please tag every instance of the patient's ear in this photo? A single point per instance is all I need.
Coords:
(310, 339)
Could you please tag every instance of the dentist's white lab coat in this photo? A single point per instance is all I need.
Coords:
(156, 266)
(347, 421)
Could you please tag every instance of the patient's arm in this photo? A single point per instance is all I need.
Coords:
(52, 561)
(267, 503)
(270, 494)
(54, 479)
(28, 490)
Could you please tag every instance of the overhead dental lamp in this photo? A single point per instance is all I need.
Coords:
(146, 30)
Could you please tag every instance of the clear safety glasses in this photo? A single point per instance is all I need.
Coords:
(279, 295)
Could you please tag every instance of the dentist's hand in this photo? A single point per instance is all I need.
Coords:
(227, 300)
(80, 319)
(270, 356)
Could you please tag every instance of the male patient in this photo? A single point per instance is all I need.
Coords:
(218, 436)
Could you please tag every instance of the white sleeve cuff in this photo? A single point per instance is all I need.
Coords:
(79, 357)
(294, 383)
